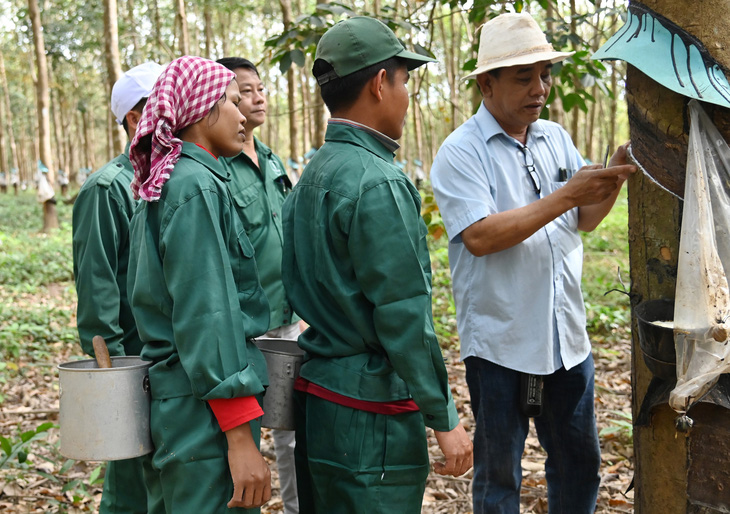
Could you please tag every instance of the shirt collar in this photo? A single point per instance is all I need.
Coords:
(206, 159)
(389, 143)
(490, 127)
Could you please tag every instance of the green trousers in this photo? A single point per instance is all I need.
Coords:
(124, 488)
(189, 473)
(351, 461)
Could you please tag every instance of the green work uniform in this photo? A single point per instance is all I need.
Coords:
(357, 269)
(101, 215)
(258, 193)
(196, 296)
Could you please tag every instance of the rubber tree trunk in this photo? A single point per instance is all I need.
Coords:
(113, 66)
(50, 216)
(675, 473)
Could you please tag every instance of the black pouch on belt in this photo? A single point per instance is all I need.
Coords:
(531, 395)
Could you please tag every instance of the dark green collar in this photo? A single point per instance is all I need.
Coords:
(205, 158)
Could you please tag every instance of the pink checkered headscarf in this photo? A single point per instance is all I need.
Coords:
(184, 94)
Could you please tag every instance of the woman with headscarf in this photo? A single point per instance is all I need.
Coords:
(196, 297)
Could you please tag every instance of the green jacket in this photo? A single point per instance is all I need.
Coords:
(357, 269)
(194, 288)
(101, 215)
(258, 193)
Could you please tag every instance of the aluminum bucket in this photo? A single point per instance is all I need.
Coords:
(283, 360)
(105, 412)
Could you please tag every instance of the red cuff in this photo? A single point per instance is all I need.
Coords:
(232, 412)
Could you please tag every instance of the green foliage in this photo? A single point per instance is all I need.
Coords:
(622, 427)
(443, 305)
(292, 46)
(17, 448)
(22, 451)
(27, 256)
(30, 263)
(605, 276)
(431, 214)
(32, 331)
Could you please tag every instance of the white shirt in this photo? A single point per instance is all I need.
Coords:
(521, 308)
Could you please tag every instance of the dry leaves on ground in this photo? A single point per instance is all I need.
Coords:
(48, 484)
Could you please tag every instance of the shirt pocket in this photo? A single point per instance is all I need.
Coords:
(245, 272)
(568, 219)
(251, 207)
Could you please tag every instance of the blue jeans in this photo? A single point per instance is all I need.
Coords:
(566, 430)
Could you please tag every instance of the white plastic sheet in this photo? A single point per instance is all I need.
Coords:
(702, 299)
(45, 190)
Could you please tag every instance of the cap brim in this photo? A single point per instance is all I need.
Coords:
(553, 57)
(414, 60)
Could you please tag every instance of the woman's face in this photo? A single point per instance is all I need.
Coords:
(223, 127)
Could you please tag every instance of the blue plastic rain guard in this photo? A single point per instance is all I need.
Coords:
(669, 55)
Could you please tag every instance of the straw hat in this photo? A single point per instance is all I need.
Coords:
(511, 39)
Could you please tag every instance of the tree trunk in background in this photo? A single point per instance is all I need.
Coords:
(320, 112)
(87, 123)
(71, 140)
(307, 126)
(157, 25)
(194, 47)
(320, 118)
(417, 136)
(556, 111)
(576, 113)
(613, 106)
(291, 82)
(448, 42)
(12, 147)
(224, 21)
(4, 167)
(135, 57)
(208, 30)
(674, 472)
(113, 67)
(50, 216)
(58, 138)
(181, 20)
(111, 126)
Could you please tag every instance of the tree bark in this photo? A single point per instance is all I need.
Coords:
(556, 111)
(674, 472)
(135, 57)
(12, 146)
(208, 30)
(50, 216)
(113, 66)
(224, 24)
(307, 125)
(88, 128)
(182, 23)
(286, 12)
(449, 43)
(4, 168)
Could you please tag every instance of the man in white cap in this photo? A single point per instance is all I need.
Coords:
(101, 215)
(514, 191)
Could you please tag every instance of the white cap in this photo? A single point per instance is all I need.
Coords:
(132, 87)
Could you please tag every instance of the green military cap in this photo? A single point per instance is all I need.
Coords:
(356, 43)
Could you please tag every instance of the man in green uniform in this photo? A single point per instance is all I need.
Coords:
(259, 184)
(357, 269)
(101, 216)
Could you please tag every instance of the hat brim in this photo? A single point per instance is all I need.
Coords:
(553, 57)
(414, 60)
